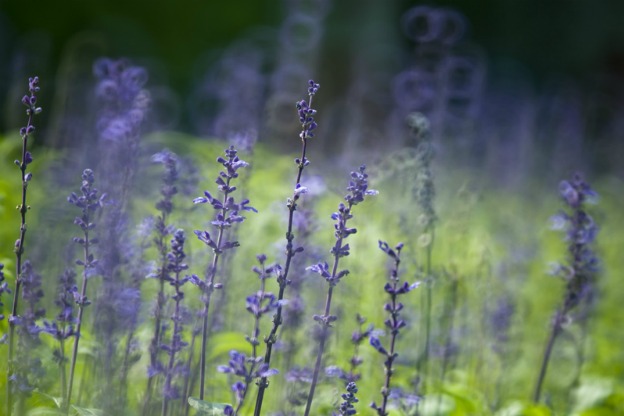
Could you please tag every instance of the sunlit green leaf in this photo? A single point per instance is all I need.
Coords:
(207, 408)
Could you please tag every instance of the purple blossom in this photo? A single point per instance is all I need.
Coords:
(123, 101)
(175, 366)
(394, 288)
(248, 369)
(376, 343)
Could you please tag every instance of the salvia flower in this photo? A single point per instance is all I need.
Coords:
(227, 214)
(63, 327)
(170, 177)
(30, 101)
(32, 293)
(306, 118)
(357, 190)
(306, 114)
(28, 369)
(248, 369)
(394, 288)
(581, 266)
(175, 266)
(89, 203)
(349, 399)
(123, 101)
(162, 230)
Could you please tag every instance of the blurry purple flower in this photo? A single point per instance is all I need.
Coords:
(376, 343)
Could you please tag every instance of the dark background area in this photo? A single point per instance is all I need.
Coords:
(580, 41)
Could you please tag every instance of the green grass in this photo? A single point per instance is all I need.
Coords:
(490, 241)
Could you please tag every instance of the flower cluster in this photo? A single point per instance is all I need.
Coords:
(581, 267)
(28, 368)
(306, 114)
(227, 209)
(248, 369)
(169, 179)
(349, 399)
(89, 202)
(394, 324)
(63, 327)
(30, 101)
(123, 101)
(358, 188)
(581, 231)
(32, 293)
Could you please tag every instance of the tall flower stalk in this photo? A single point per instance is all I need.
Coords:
(162, 231)
(227, 215)
(175, 266)
(30, 101)
(580, 270)
(308, 125)
(63, 327)
(89, 202)
(358, 189)
(394, 323)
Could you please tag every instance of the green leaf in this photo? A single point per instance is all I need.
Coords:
(83, 411)
(45, 411)
(224, 342)
(58, 401)
(207, 408)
